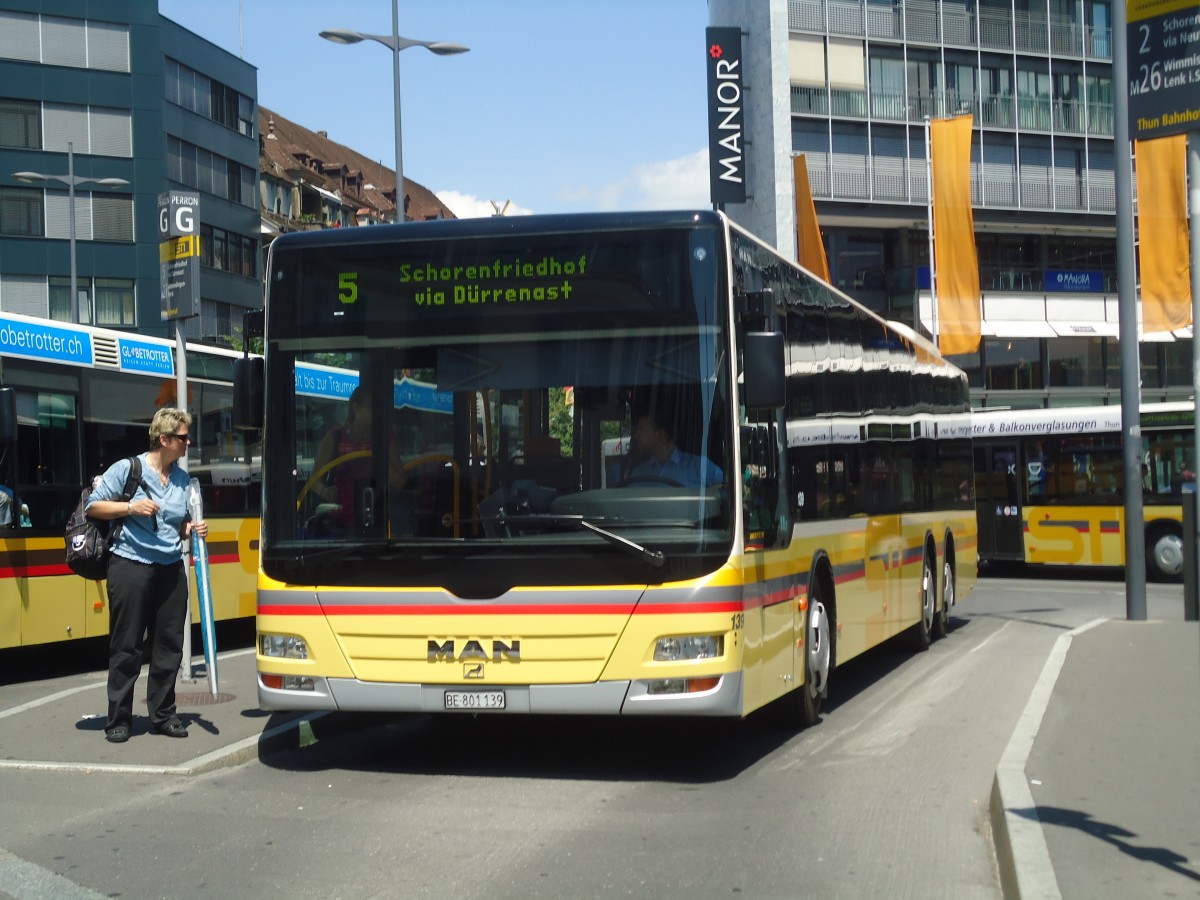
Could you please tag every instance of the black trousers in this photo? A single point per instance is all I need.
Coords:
(145, 602)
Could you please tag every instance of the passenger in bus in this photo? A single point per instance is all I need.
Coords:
(147, 582)
(343, 460)
(654, 437)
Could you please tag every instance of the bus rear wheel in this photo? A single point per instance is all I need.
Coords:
(1164, 554)
(941, 621)
(922, 632)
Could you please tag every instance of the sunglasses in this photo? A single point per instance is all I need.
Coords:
(179, 437)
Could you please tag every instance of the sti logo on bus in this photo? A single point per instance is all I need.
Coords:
(726, 128)
(473, 649)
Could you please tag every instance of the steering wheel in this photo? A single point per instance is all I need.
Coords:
(321, 472)
(649, 479)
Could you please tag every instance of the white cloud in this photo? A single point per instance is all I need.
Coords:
(674, 184)
(680, 183)
(467, 206)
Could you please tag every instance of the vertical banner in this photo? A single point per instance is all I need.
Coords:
(726, 116)
(810, 251)
(1163, 249)
(955, 259)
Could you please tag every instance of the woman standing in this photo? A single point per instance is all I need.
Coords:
(147, 581)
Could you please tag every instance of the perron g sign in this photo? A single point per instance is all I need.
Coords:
(726, 116)
(179, 254)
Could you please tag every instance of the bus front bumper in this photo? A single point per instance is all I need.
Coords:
(604, 698)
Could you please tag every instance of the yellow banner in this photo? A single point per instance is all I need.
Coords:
(810, 250)
(954, 258)
(1163, 248)
(179, 248)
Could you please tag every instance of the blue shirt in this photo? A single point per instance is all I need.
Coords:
(682, 468)
(148, 539)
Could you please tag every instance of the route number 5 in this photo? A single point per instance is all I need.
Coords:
(347, 286)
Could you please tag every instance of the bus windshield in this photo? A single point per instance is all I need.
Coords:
(448, 405)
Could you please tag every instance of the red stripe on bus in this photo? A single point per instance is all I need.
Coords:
(507, 610)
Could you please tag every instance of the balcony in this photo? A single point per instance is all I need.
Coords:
(1039, 114)
(923, 22)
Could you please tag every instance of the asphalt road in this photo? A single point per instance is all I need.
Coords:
(886, 797)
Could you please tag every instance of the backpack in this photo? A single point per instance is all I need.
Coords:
(90, 541)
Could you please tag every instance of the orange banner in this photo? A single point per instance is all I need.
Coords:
(810, 250)
(955, 261)
(1163, 233)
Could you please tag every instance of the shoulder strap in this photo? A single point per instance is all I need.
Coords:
(132, 480)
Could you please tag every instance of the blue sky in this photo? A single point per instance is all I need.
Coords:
(559, 106)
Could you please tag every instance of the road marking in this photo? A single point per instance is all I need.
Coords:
(1021, 843)
(24, 880)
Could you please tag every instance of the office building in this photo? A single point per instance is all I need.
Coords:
(116, 91)
(862, 77)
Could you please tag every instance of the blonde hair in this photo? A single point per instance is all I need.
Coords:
(167, 421)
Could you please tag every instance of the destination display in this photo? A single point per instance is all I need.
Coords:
(1163, 56)
(647, 278)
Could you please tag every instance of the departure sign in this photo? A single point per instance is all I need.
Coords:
(512, 280)
(1164, 67)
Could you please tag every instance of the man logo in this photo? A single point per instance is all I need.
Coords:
(473, 649)
(473, 670)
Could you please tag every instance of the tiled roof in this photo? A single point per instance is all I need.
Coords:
(291, 152)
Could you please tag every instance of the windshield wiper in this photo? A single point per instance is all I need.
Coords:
(654, 557)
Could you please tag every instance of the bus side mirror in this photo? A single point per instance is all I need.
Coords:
(8, 415)
(763, 380)
(248, 393)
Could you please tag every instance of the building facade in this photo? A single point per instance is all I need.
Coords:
(116, 91)
(1036, 78)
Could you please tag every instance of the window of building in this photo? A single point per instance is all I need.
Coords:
(22, 212)
(1013, 364)
(207, 97)
(227, 251)
(59, 296)
(20, 124)
(115, 304)
(1076, 362)
(58, 41)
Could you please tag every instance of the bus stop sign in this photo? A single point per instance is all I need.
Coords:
(1163, 54)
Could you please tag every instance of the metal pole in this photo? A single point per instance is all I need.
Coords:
(181, 403)
(1193, 169)
(71, 219)
(400, 214)
(929, 212)
(1131, 369)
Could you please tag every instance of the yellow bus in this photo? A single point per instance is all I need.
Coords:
(82, 398)
(1050, 485)
(795, 489)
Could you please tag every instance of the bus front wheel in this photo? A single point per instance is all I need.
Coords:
(1164, 554)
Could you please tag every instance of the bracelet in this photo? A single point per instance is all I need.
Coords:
(129, 507)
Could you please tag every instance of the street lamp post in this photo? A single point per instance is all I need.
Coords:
(395, 43)
(70, 180)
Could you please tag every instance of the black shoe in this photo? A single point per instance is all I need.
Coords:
(172, 728)
(118, 734)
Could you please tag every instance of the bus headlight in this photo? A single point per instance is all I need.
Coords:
(283, 646)
(692, 646)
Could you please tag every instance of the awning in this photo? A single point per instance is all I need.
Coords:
(1085, 329)
(328, 195)
(1021, 328)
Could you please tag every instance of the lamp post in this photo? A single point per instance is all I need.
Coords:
(70, 180)
(395, 43)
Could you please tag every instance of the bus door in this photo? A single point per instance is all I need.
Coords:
(998, 501)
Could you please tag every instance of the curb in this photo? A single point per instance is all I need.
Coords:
(1026, 871)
